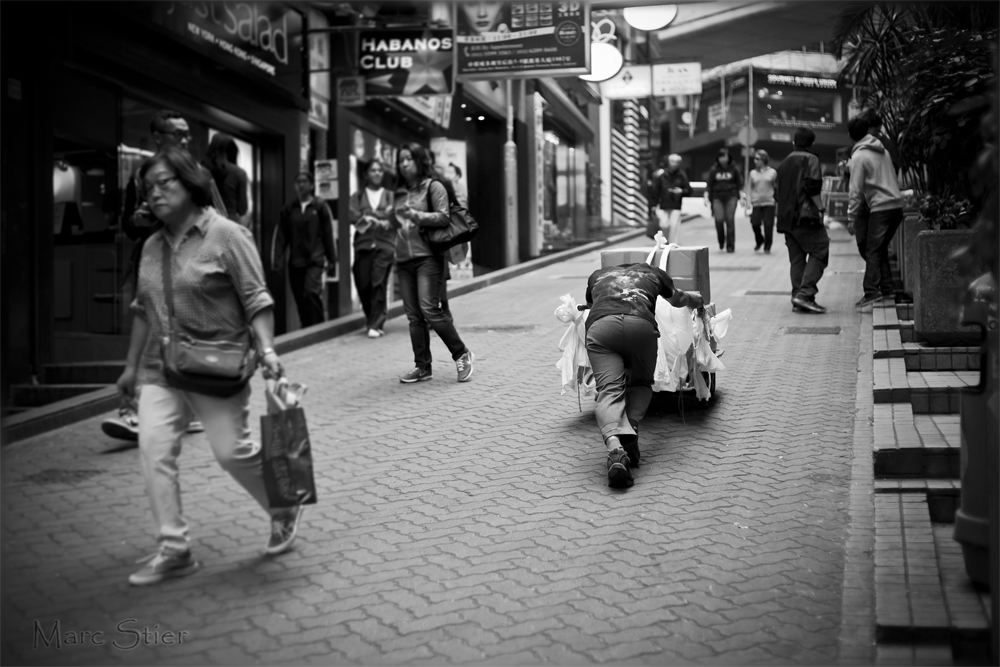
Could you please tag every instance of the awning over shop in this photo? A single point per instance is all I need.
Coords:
(564, 110)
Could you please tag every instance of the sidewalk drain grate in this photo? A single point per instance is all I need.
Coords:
(56, 476)
(834, 331)
(735, 268)
(766, 292)
(499, 328)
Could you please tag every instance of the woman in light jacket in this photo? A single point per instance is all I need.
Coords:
(422, 203)
(218, 292)
(374, 245)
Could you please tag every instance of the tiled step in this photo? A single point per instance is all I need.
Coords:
(944, 496)
(927, 610)
(921, 445)
(34, 395)
(888, 344)
(927, 391)
(84, 372)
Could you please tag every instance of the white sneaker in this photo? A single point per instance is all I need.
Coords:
(196, 427)
(123, 427)
(284, 527)
(374, 333)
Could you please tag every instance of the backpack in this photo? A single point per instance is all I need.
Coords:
(462, 227)
(802, 210)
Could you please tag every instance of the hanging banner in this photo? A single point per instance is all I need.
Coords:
(677, 79)
(503, 40)
(632, 82)
(406, 62)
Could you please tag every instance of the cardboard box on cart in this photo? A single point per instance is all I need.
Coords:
(686, 265)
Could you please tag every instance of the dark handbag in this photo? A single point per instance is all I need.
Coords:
(652, 225)
(287, 455)
(220, 367)
(461, 227)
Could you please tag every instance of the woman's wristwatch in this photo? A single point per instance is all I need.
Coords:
(268, 350)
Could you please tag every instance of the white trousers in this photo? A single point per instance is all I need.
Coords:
(164, 415)
(670, 223)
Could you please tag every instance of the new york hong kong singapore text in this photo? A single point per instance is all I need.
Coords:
(131, 636)
(243, 20)
(371, 47)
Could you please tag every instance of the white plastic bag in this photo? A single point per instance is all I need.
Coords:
(574, 364)
(720, 323)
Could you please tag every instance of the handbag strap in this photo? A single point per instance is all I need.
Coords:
(168, 288)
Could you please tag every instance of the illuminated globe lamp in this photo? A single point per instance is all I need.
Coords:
(654, 17)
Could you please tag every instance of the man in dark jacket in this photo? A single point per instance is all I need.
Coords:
(800, 219)
(670, 186)
(307, 227)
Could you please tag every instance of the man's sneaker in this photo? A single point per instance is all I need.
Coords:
(464, 366)
(284, 526)
(630, 443)
(164, 565)
(619, 475)
(868, 300)
(123, 427)
(374, 333)
(801, 304)
(196, 427)
(417, 375)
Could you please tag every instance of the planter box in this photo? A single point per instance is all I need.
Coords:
(907, 234)
(939, 289)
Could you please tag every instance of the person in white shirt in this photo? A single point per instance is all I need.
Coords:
(762, 179)
(374, 245)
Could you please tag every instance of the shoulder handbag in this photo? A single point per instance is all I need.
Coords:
(461, 228)
(218, 368)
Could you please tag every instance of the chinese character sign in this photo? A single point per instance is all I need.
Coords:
(522, 39)
(406, 62)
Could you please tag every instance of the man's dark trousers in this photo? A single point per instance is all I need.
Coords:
(808, 254)
(307, 288)
(873, 233)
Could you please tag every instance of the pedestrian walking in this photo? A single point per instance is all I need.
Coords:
(230, 179)
(762, 179)
(800, 219)
(670, 186)
(167, 128)
(374, 245)
(422, 202)
(874, 210)
(307, 227)
(621, 343)
(218, 291)
(723, 189)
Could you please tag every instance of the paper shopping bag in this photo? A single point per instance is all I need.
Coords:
(288, 465)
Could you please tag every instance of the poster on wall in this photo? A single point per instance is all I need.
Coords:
(326, 179)
(407, 62)
(505, 40)
(450, 161)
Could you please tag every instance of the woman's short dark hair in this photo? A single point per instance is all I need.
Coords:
(724, 153)
(804, 138)
(196, 181)
(421, 156)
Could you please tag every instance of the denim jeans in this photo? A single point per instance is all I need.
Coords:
(420, 281)
(724, 212)
(622, 351)
(808, 253)
(873, 233)
(371, 274)
(763, 215)
(164, 415)
(670, 223)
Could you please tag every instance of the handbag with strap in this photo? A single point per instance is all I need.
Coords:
(220, 367)
(461, 228)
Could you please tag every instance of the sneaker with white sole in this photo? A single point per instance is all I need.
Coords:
(196, 427)
(417, 375)
(164, 565)
(464, 366)
(284, 526)
(374, 333)
(123, 427)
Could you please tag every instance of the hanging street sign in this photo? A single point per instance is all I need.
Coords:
(406, 62)
(632, 82)
(677, 79)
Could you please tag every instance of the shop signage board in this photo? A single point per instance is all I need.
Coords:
(262, 40)
(406, 62)
(351, 91)
(505, 40)
(787, 100)
(319, 111)
(632, 82)
(677, 79)
(437, 108)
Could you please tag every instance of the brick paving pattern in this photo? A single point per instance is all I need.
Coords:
(472, 523)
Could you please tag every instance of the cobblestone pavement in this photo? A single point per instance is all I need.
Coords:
(472, 523)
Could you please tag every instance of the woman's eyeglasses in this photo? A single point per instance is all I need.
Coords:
(160, 184)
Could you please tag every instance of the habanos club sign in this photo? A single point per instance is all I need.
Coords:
(259, 39)
(406, 62)
(522, 39)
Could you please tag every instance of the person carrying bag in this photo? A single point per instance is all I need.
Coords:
(200, 292)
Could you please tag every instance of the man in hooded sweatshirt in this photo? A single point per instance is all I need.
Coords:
(874, 187)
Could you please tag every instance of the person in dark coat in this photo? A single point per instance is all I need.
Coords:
(230, 179)
(374, 245)
(307, 227)
(723, 189)
(670, 186)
